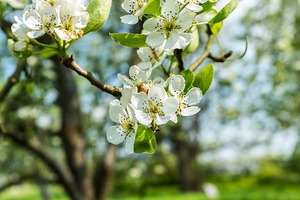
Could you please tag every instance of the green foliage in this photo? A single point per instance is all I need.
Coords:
(130, 39)
(189, 78)
(153, 7)
(19, 54)
(207, 6)
(224, 12)
(47, 52)
(204, 78)
(193, 46)
(99, 11)
(215, 28)
(145, 141)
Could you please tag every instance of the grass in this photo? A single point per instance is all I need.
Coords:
(245, 189)
(31, 192)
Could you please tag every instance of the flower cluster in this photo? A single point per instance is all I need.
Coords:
(153, 102)
(169, 30)
(150, 103)
(61, 19)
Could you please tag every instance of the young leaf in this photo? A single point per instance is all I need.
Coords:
(207, 6)
(145, 141)
(224, 12)
(152, 7)
(189, 78)
(204, 78)
(215, 28)
(132, 40)
(98, 13)
(193, 46)
(47, 53)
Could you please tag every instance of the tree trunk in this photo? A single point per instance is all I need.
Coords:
(187, 152)
(71, 133)
(104, 175)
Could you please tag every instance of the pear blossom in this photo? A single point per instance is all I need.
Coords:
(41, 18)
(170, 28)
(126, 128)
(152, 55)
(192, 5)
(137, 76)
(135, 8)
(20, 30)
(73, 18)
(154, 108)
(187, 102)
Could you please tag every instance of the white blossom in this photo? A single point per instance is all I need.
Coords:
(73, 18)
(126, 128)
(153, 55)
(135, 8)
(187, 102)
(155, 107)
(20, 30)
(137, 76)
(40, 17)
(169, 28)
(192, 5)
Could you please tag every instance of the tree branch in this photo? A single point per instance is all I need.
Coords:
(46, 156)
(222, 58)
(12, 80)
(71, 63)
(206, 52)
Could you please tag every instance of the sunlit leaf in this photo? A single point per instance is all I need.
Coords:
(224, 12)
(204, 78)
(129, 39)
(215, 28)
(145, 141)
(98, 13)
(189, 78)
(152, 7)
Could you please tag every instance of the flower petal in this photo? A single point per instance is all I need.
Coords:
(129, 143)
(153, 24)
(155, 39)
(160, 120)
(189, 111)
(143, 117)
(170, 105)
(115, 134)
(176, 85)
(129, 19)
(193, 96)
(116, 111)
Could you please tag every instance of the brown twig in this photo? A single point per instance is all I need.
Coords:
(178, 55)
(222, 58)
(12, 80)
(71, 63)
(206, 52)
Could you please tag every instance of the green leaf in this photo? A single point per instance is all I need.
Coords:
(224, 12)
(132, 40)
(47, 52)
(189, 78)
(145, 141)
(215, 28)
(98, 13)
(207, 6)
(152, 7)
(204, 78)
(193, 46)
